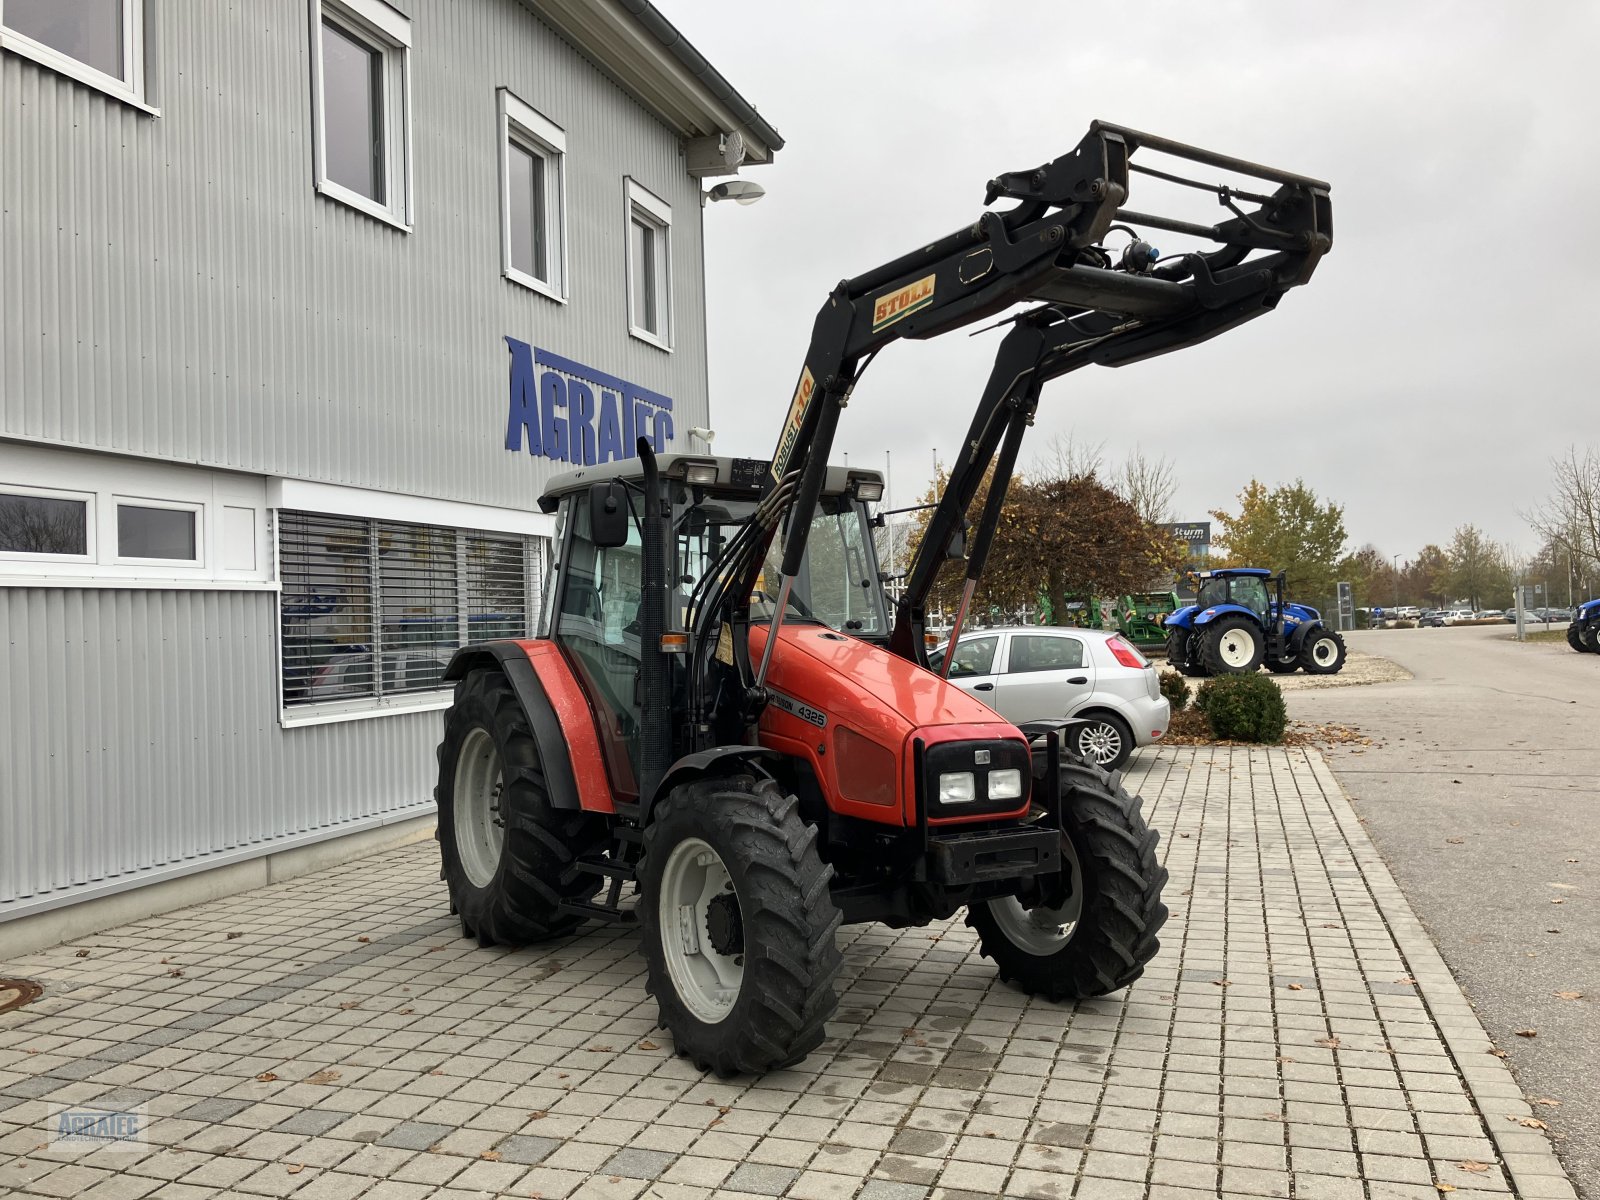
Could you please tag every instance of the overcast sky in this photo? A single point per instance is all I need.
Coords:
(1442, 353)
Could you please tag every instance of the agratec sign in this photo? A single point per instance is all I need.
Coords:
(571, 413)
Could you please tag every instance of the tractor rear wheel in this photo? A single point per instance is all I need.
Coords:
(508, 855)
(1102, 934)
(738, 925)
(1322, 653)
(1232, 645)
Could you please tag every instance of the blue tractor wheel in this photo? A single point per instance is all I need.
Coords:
(1232, 645)
(1323, 652)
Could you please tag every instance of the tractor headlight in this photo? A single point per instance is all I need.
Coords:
(957, 787)
(1005, 785)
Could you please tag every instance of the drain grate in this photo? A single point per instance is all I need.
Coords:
(14, 993)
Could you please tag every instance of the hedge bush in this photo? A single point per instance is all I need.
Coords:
(1243, 708)
(1175, 688)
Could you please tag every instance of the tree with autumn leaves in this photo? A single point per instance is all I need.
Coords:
(1061, 538)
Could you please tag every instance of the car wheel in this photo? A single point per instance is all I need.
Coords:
(1105, 740)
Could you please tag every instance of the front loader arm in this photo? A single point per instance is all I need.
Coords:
(1046, 250)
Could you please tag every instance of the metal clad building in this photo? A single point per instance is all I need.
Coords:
(301, 303)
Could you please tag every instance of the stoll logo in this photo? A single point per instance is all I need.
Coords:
(97, 1128)
(573, 413)
(894, 306)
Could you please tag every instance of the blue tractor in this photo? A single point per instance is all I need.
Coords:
(1237, 625)
(1584, 632)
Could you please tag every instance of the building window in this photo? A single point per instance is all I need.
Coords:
(372, 610)
(532, 199)
(157, 531)
(97, 42)
(649, 267)
(35, 522)
(361, 95)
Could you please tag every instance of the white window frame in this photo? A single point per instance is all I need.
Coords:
(130, 89)
(47, 493)
(380, 27)
(524, 127)
(199, 511)
(640, 203)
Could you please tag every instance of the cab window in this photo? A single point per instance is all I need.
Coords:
(1251, 592)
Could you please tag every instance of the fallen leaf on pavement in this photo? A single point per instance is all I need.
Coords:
(1552, 931)
(295, 1168)
(235, 934)
(1332, 1043)
(349, 1004)
(1527, 1033)
(325, 1076)
(1530, 1122)
(1442, 1186)
(1297, 987)
(647, 1044)
(363, 939)
(1473, 1165)
(1547, 1102)
(598, 1049)
(1499, 1053)
(266, 1077)
(1455, 841)
(1407, 980)
(614, 1179)
(175, 973)
(490, 1156)
(538, 1114)
(406, 1012)
(1559, 900)
(1569, 995)
(1223, 982)
(81, 954)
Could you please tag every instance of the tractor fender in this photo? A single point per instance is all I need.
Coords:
(1039, 729)
(1182, 618)
(715, 761)
(1209, 615)
(512, 661)
(1299, 634)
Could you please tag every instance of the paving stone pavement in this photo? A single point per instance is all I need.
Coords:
(333, 1037)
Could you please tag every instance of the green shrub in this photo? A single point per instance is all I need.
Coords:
(1243, 708)
(1175, 688)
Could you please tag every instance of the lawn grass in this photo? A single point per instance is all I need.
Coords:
(1547, 635)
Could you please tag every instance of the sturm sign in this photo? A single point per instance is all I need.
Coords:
(572, 413)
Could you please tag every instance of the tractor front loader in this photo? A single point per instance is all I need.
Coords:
(721, 711)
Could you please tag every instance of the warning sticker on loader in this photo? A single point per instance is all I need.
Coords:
(896, 306)
(792, 423)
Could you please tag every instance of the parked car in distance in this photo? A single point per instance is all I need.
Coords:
(1455, 616)
(1046, 672)
(1406, 612)
(1432, 618)
(1490, 614)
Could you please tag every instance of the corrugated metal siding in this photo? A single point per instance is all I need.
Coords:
(174, 287)
(139, 731)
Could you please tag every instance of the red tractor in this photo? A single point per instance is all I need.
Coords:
(722, 709)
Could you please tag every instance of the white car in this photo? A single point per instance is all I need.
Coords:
(1456, 616)
(1040, 673)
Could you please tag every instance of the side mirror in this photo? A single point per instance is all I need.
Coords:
(609, 514)
(956, 547)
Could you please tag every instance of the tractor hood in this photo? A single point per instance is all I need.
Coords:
(863, 683)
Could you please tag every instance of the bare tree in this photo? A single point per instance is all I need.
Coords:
(1570, 519)
(1064, 457)
(1148, 484)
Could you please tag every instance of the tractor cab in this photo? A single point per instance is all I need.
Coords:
(1243, 586)
(595, 598)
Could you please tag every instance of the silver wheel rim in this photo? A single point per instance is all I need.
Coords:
(1042, 931)
(1324, 651)
(705, 980)
(1100, 742)
(1236, 648)
(480, 831)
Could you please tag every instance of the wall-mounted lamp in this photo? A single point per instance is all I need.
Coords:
(741, 191)
(704, 434)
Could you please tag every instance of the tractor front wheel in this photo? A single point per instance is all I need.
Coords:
(508, 855)
(1233, 645)
(1180, 652)
(1589, 638)
(738, 925)
(1323, 652)
(1101, 933)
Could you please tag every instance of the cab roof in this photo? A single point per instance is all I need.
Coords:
(751, 475)
(1236, 572)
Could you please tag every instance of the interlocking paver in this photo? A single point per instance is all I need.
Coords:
(348, 1044)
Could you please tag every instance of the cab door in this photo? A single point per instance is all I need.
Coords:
(1046, 676)
(597, 627)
